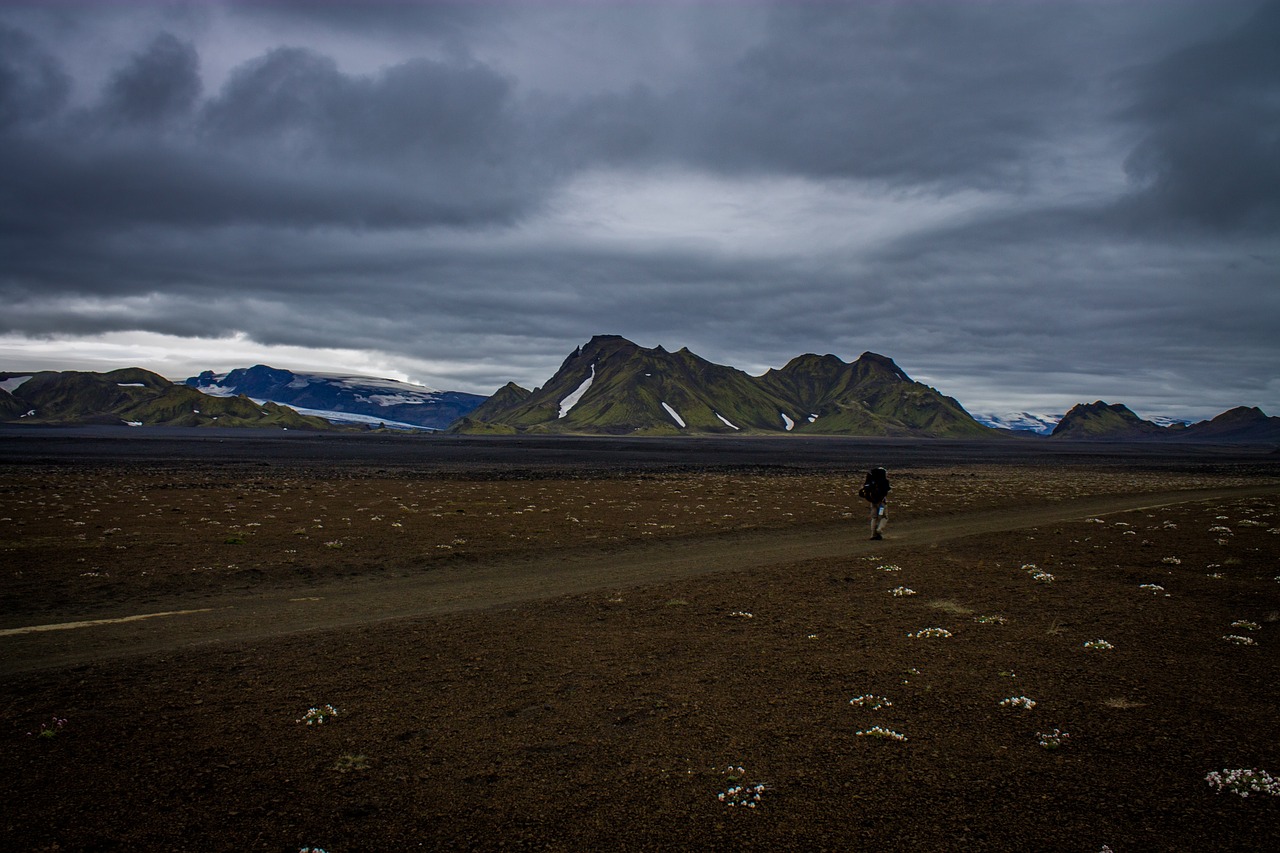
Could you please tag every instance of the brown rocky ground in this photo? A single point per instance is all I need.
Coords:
(632, 631)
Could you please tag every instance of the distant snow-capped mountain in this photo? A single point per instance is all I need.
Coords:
(1039, 424)
(343, 398)
(1044, 424)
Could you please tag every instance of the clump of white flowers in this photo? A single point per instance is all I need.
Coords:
(900, 591)
(319, 716)
(1038, 575)
(1098, 645)
(882, 732)
(1052, 740)
(871, 702)
(1239, 640)
(1244, 782)
(738, 791)
(929, 632)
(1018, 702)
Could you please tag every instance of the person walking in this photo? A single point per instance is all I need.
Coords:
(875, 490)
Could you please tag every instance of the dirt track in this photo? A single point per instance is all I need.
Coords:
(345, 603)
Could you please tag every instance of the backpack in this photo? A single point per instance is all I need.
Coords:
(876, 488)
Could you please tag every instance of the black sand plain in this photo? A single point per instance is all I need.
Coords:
(566, 644)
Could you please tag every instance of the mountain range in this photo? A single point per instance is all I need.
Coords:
(612, 386)
(341, 398)
(609, 386)
(1115, 422)
(135, 397)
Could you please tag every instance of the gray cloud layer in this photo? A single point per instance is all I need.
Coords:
(1076, 200)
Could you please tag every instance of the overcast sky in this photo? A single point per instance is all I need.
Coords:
(1025, 204)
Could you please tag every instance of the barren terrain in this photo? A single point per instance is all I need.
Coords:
(565, 645)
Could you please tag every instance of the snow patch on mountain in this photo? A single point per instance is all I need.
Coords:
(725, 421)
(790, 424)
(675, 416)
(217, 390)
(572, 400)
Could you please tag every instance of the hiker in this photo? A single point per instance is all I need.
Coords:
(876, 490)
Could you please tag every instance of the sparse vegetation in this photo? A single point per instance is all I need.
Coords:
(606, 712)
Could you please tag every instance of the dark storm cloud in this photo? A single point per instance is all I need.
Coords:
(380, 17)
(1210, 152)
(161, 82)
(909, 92)
(903, 92)
(33, 84)
(289, 141)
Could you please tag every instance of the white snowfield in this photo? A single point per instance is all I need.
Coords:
(350, 417)
(327, 414)
(392, 386)
(393, 392)
(790, 424)
(1028, 421)
(217, 391)
(13, 383)
(572, 400)
(395, 399)
(725, 421)
(675, 416)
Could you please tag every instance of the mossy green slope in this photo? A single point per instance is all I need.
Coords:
(1100, 420)
(621, 388)
(505, 400)
(870, 396)
(627, 385)
(133, 395)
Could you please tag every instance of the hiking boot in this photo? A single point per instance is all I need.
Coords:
(875, 536)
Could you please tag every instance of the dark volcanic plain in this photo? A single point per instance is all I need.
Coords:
(563, 644)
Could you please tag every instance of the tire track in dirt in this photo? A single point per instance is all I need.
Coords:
(201, 620)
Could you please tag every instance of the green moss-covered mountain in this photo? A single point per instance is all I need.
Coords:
(612, 386)
(1104, 420)
(133, 396)
(1101, 421)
